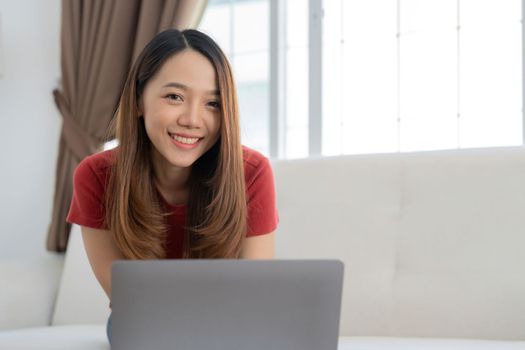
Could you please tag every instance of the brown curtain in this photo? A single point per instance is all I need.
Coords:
(100, 39)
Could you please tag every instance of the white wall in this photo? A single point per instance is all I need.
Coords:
(29, 123)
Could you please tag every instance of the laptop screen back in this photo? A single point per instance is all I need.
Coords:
(226, 304)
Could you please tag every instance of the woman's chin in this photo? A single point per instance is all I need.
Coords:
(182, 163)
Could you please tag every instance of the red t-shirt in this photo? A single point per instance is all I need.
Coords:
(89, 181)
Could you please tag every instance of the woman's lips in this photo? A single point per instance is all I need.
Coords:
(184, 142)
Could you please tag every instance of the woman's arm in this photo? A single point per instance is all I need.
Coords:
(259, 247)
(101, 251)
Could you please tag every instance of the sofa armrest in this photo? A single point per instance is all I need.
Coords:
(80, 298)
(29, 289)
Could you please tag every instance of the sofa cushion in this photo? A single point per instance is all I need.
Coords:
(77, 337)
(432, 241)
(81, 299)
(93, 337)
(28, 290)
(391, 343)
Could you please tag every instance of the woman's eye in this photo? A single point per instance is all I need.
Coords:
(174, 97)
(214, 104)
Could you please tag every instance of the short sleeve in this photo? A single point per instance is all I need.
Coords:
(262, 210)
(87, 203)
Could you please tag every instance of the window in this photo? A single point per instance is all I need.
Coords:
(395, 75)
(296, 82)
(413, 75)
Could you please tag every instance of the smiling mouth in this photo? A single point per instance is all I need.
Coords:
(185, 140)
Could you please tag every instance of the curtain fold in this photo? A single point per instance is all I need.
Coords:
(100, 39)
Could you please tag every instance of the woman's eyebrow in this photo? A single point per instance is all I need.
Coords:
(186, 88)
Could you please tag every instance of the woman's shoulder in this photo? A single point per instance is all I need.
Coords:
(256, 165)
(89, 186)
(252, 158)
(100, 161)
(95, 166)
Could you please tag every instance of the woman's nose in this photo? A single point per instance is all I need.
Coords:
(190, 117)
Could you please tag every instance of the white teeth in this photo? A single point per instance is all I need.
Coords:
(186, 140)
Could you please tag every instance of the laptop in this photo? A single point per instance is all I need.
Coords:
(226, 304)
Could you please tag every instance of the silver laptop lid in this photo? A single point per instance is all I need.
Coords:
(226, 304)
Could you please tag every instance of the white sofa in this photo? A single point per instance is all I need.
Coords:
(433, 245)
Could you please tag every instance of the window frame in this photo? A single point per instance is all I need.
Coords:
(315, 116)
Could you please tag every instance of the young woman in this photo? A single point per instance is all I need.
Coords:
(179, 185)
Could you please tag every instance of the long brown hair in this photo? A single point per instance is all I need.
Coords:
(216, 209)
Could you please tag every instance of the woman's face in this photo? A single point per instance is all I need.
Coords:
(181, 108)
